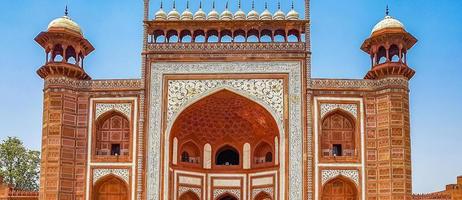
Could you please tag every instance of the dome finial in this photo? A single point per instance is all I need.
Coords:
(253, 5)
(279, 5)
(161, 4)
(213, 4)
(187, 4)
(226, 5)
(292, 5)
(266, 5)
(200, 5)
(66, 11)
(387, 11)
(239, 4)
(174, 4)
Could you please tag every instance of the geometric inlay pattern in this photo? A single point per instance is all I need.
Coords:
(124, 108)
(327, 107)
(328, 175)
(181, 92)
(235, 192)
(121, 173)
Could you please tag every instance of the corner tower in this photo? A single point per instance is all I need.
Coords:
(388, 46)
(388, 142)
(65, 49)
(63, 160)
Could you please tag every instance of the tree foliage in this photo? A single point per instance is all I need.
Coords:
(19, 166)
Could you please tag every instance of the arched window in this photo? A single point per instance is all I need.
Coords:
(263, 153)
(57, 53)
(338, 138)
(113, 135)
(71, 56)
(227, 155)
(394, 53)
(190, 153)
(381, 55)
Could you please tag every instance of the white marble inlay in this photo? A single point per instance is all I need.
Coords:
(328, 175)
(350, 108)
(124, 108)
(121, 173)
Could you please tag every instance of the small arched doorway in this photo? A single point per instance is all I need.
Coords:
(189, 196)
(227, 197)
(263, 196)
(110, 188)
(339, 189)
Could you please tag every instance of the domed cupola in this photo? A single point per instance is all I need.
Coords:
(226, 14)
(292, 14)
(160, 14)
(64, 23)
(387, 23)
(187, 15)
(65, 48)
(173, 14)
(388, 46)
(200, 14)
(213, 14)
(253, 14)
(279, 15)
(266, 14)
(239, 15)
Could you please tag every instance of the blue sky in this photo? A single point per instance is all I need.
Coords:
(338, 30)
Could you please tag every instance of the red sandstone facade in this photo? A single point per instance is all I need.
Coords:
(226, 108)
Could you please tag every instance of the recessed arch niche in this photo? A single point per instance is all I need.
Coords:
(110, 187)
(339, 188)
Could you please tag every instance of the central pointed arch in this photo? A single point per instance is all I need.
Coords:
(224, 117)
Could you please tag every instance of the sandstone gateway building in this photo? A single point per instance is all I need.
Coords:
(226, 108)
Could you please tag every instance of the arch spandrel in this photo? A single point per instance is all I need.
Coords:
(267, 92)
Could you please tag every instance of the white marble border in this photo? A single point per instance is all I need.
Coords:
(293, 69)
(316, 144)
(134, 142)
